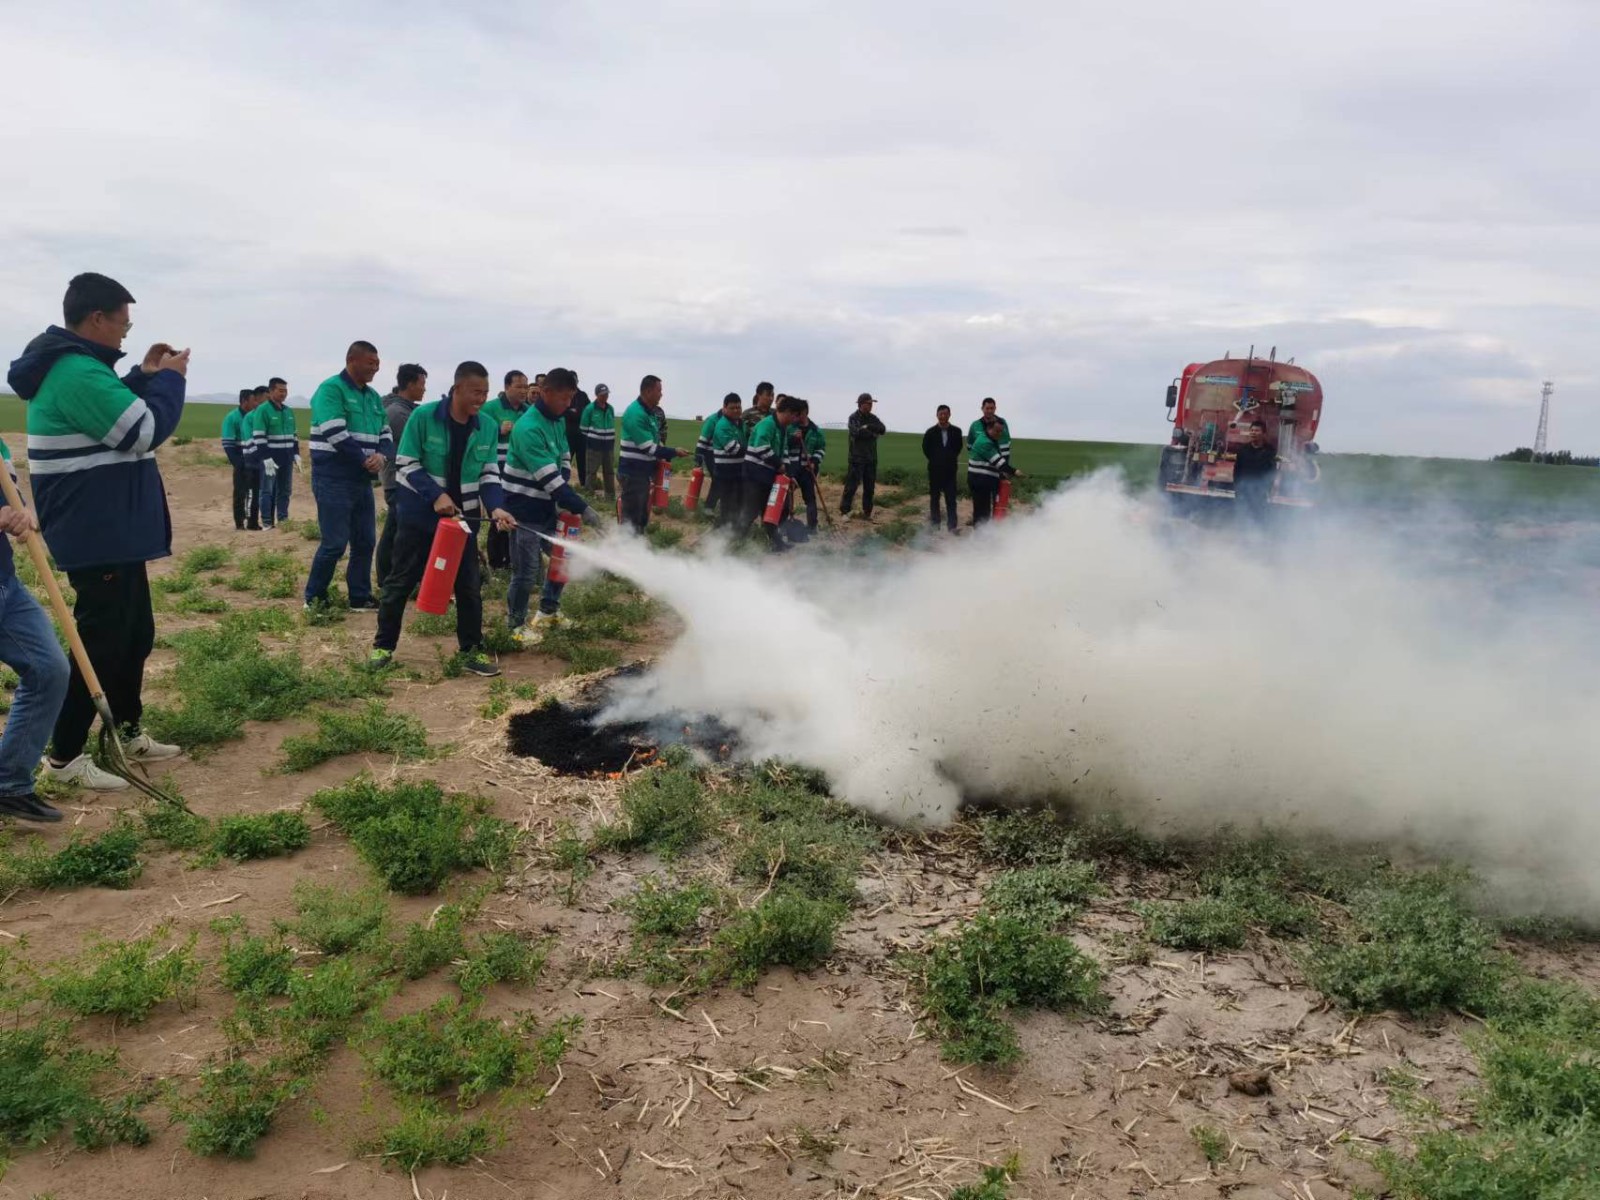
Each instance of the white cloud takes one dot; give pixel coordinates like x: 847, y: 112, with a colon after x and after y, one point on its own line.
x: 1056, y: 204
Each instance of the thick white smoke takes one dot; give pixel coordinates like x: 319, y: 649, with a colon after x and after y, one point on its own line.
x: 1326, y: 682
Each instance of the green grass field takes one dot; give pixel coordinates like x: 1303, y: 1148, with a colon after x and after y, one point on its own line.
x: 1357, y: 480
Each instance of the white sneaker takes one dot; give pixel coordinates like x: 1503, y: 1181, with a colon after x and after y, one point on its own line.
x: 143, y: 748
x: 553, y: 620
x: 82, y: 770
x: 528, y: 635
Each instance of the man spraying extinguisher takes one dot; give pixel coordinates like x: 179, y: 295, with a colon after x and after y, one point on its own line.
x: 643, y: 447
x: 763, y: 461
x: 538, y: 487
x: 447, y: 466
x: 987, y: 465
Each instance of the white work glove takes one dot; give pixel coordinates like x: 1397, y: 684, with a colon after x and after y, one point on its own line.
x: 297, y: 463
x: 269, y: 469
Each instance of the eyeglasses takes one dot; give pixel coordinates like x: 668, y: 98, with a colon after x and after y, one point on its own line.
x: 125, y: 326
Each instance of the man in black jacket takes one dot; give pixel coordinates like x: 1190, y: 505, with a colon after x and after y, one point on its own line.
x: 1253, y: 466
x: 862, y: 469
x: 941, y: 446
x: 577, y: 444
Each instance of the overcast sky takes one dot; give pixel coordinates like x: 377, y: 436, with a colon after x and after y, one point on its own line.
x: 1056, y: 203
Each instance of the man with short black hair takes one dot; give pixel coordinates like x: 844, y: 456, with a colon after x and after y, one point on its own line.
x: 350, y: 442
x: 808, y: 446
x: 987, y: 465
x: 726, y: 440
x: 763, y: 463
x: 446, y: 466
x: 410, y: 389
x: 92, y: 440
x: 599, y: 426
x: 862, y: 468
x: 1254, y: 465
x: 577, y: 443
x: 760, y: 405
x: 987, y: 410
x: 275, y: 447
x: 642, y: 449
x: 246, y: 475
x: 504, y: 410
x: 538, y: 485
x: 941, y: 446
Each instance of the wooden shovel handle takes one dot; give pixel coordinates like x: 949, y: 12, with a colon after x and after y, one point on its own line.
x: 41, y: 563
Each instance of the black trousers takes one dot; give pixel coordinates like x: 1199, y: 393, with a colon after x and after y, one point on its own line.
x: 114, y: 618
x: 730, y: 495
x: 864, y: 475
x: 983, y: 494
x: 246, y: 496
x: 411, y: 546
x: 636, y: 501
x: 386, y: 538
x: 756, y: 490
x: 942, y: 484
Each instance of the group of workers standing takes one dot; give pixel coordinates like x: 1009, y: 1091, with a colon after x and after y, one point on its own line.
x: 507, y: 461
x: 744, y: 450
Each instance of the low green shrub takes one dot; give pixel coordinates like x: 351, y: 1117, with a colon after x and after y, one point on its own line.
x: 500, y: 957
x: 1208, y: 923
x: 234, y: 1105
x: 449, y: 1049
x: 207, y: 558
x: 426, y: 1135
x: 785, y: 928
x: 109, y: 860
x: 372, y: 729
x: 1047, y: 895
x: 256, y: 968
x: 48, y: 1081
x: 663, y: 810
x: 224, y: 677
x: 261, y: 835
x: 414, y: 835
x: 996, y: 962
x: 125, y: 979
x: 336, y: 921
x: 1413, y: 945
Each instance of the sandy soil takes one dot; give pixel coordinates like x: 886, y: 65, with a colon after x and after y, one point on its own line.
x: 657, y: 1104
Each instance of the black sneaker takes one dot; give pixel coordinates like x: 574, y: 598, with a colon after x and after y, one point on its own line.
x: 479, y: 663
x: 28, y: 808
x: 367, y: 605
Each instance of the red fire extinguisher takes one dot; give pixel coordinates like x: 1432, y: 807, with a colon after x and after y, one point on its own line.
x: 568, y: 525
x: 1002, y: 501
x: 661, y: 492
x: 697, y: 479
x: 777, y: 499
x: 444, y: 560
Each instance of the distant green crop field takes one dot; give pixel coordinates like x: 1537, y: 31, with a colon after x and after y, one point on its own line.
x: 1485, y: 489
x: 199, y: 420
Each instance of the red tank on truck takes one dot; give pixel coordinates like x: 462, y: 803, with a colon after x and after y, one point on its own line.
x: 1212, y: 407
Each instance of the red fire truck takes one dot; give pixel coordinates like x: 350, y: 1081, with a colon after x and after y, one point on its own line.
x: 1212, y: 407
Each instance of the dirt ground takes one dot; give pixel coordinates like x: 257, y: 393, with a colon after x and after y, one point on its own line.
x: 711, y: 1101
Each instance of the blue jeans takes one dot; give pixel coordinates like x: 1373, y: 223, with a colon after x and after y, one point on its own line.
x: 275, y: 490
x: 347, y: 517
x: 528, y: 552
x: 28, y: 646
